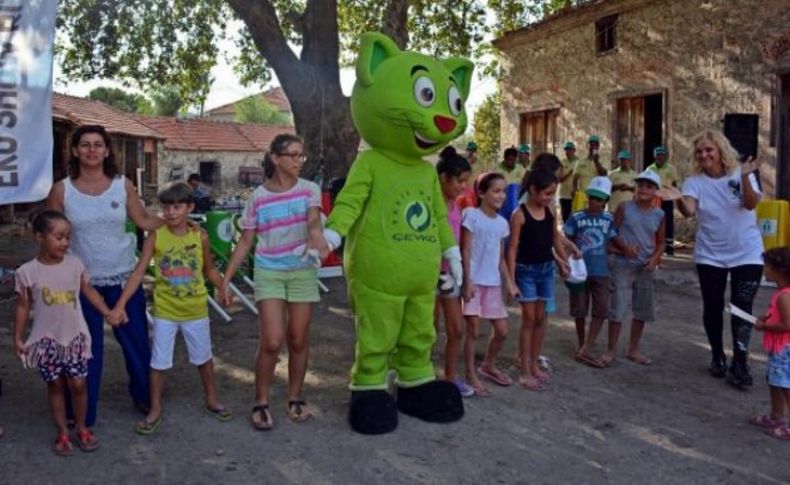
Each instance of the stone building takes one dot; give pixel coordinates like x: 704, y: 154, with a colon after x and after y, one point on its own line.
x: 646, y: 72
x: 227, y: 155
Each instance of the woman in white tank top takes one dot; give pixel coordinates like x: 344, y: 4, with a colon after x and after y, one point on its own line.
x: 98, y: 200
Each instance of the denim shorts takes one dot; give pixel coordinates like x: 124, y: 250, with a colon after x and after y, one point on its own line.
x: 535, y: 281
x: 778, y: 368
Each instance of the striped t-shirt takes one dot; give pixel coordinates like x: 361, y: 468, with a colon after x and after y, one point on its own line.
x: 280, y: 222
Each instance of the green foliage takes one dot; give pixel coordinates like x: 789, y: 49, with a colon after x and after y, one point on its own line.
x: 486, y: 130
x: 166, y: 101
x: 118, y: 98
x: 255, y: 109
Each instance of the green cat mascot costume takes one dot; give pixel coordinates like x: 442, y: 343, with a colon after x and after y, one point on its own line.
x: 393, y: 215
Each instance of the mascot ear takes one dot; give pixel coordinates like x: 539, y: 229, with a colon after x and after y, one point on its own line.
x: 461, y: 69
x: 374, y: 49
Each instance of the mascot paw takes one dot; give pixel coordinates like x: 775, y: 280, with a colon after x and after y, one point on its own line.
x: 436, y: 402
x: 372, y: 412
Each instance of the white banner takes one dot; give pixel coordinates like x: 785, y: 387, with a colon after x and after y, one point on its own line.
x: 27, y: 36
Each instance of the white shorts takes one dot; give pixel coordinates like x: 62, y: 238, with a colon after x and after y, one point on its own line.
x: 197, y: 336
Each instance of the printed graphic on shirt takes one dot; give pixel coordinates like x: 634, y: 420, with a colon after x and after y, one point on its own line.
x: 178, y: 267
x: 407, y: 217
x: 50, y: 297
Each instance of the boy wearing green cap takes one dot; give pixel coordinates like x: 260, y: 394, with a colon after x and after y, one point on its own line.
x: 566, y: 180
x: 586, y: 169
x: 509, y: 168
x: 523, y: 155
x: 669, y: 178
x: 622, y: 181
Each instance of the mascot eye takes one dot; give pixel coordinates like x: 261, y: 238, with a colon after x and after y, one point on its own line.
x: 424, y: 91
x: 456, y: 103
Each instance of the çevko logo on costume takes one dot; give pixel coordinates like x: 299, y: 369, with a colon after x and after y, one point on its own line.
x: 417, y: 216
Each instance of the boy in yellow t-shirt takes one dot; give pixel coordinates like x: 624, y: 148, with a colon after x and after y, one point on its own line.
x: 566, y: 180
x: 622, y: 178
x: 183, y: 262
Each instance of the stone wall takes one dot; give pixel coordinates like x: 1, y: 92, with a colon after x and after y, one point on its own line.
x: 708, y: 58
x: 177, y: 165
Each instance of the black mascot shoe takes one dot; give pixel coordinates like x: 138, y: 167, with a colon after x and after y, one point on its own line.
x: 372, y: 412
x: 435, y: 401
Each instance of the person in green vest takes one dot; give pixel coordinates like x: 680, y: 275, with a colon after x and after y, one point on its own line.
x: 566, y: 180
x: 585, y: 169
x: 523, y: 155
x: 669, y: 178
x: 509, y: 168
x: 622, y: 178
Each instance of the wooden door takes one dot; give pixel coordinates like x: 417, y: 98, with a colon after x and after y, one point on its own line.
x: 631, y: 130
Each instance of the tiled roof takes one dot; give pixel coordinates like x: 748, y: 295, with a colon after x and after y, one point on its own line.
x: 203, y: 135
x: 275, y: 96
x: 83, y: 111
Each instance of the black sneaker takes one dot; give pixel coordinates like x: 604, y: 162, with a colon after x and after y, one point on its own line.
x: 718, y: 368
x: 739, y: 376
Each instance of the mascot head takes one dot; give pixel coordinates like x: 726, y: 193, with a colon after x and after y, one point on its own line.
x: 406, y: 102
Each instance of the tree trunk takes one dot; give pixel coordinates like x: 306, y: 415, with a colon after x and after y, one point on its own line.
x: 321, y: 112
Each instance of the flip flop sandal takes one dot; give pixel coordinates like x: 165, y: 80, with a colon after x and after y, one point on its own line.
x: 496, y: 376
x: 220, y: 414
x: 641, y: 360
x: 297, y: 413
x: 781, y: 432
x: 589, y: 360
x: 530, y: 384
x: 481, y: 391
x: 265, y: 424
x: 63, y: 446
x: 86, y: 441
x: 146, y: 427
x: 765, y: 421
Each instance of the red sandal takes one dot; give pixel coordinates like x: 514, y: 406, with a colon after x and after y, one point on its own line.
x: 63, y: 445
x: 86, y: 441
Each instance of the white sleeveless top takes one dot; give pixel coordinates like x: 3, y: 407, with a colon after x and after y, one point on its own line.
x: 98, y: 234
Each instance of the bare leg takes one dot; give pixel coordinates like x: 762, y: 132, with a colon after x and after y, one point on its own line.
x: 589, y: 344
x: 453, y: 320
x: 778, y: 404
x: 298, y: 338
x: 538, y: 337
x: 57, y: 404
x: 272, y: 335
x: 614, y: 336
x: 528, y: 323
x: 157, y: 383
x: 580, y: 323
x: 637, y: 327
x: 206, y: 371
x: 79, y: 401
x: 495, y: 342
x: 472, y: 330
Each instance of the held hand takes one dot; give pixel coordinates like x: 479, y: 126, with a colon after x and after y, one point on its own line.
x: 565, y: 270
x: 513, y: 292
x: 225, y: 296
x: 453, y: 258
x: 116, y: 317
x: 651, y: 265
x: 750, y: 165
x: 759, y: 325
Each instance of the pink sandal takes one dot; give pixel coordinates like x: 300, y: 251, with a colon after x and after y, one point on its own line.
x: 765, y: 421
x: 781, y: 432
x: 496, y: 376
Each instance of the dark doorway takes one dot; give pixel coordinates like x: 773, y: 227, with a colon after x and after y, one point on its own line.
x: 783, y: 132
x: 639, y: 128
x: 209, y: 173
x: 741, y: 129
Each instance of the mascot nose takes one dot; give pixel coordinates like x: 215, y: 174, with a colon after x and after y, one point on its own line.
x: 444, y: 124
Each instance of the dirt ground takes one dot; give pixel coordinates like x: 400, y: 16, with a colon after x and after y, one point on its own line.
x: 669, y: 423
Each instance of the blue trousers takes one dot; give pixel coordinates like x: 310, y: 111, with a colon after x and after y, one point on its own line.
x: 133, y: 339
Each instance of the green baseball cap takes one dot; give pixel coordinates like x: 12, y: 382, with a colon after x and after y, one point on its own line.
x: 471, y: 146
x: 659, y: 150
x: 594, y: 139
x: 523, y: 148
x: 624, y: 154
x: 569, y: 146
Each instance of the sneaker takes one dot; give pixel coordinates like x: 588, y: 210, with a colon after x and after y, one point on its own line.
x: 718, y: 368
x: 738, y: 375
x: 464, y: 388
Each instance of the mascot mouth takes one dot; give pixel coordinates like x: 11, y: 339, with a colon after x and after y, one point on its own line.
x: 423, y: 142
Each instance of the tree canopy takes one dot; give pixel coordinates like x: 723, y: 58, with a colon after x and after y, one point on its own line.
x: 155, y: 43
x: 255, y: 109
